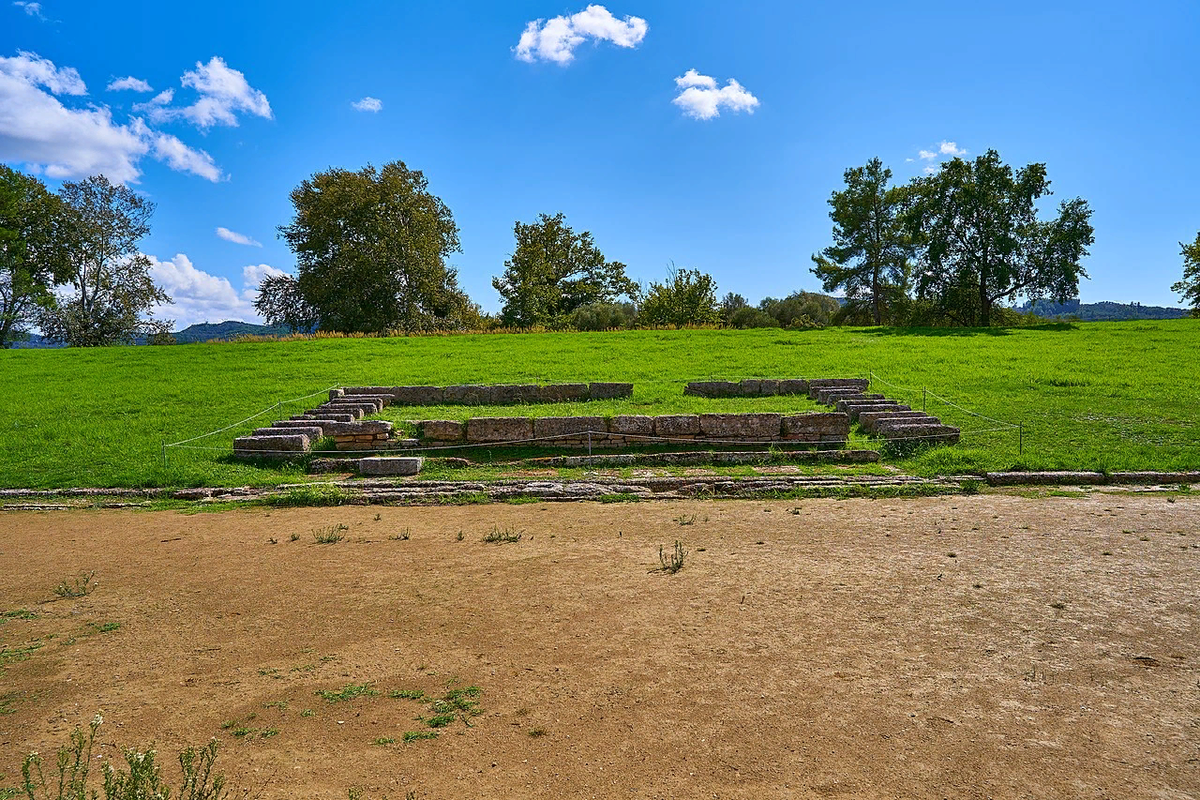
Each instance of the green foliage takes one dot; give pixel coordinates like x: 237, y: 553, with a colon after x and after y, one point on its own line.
x: 1189, y: 287
x: 801, y: 310
x: 603, y: 317
x: 111, y: 287
x: 416, y: 736
x: 33, y: 252
x: 68, y: 781
x: 981, y: 240
x: 371, y: 249
x: 688, y: 297
x: 348, y: 692
x: 553, y: 271
x: 750, y: 317
x: 78, y: 586
x: 498, y: 536
x: 671, y: 562
x: 330, y: 534
x: 872, y: 247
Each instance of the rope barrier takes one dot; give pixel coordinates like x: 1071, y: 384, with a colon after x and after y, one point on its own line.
x: 872, y: 376
x: 247, y: 419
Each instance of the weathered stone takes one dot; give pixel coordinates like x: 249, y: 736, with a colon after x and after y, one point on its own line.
x: 322, y: 412
x: 312, y: 432
x: 566, y: 426
x: 419, y: 395
x: 677, y: 425
x: 829, y: 396
x: 466, y: 395
x: 512, y: 394
x: 749, y: 388
x: 390, y: 465
x: 367, y: 404
x: 934, y: 434
x: 846, y: 383
x: 883, y: 426
x: 352, y: 391
x: 711, y: 389
x: 271, y: 445
x: 442, y: 430
x: 359, y: 428
x: 856, y: 407
x: 563, y: 393
x: 768, y: 388
x: 631, y: 425
x: 1045, y: 478
x: 499, y: 429
x: 381, y: 400
x: 745, y: 427
x: 830, y: 423
x: 329, y: 416
x: 336, y: 393
x: 283, y: 426
x: 867, y: 420
x: 792, y: 386
x: 609, y: 391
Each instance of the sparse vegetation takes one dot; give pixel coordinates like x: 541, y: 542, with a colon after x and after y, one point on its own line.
x: 348, y: 692
x: 416, y: 736
x: 330, y: 534
x: 498, y: 536
x: 79, y: 586
x: 671, y: 562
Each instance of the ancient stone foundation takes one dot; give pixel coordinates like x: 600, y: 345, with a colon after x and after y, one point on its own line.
x: 485, y: 395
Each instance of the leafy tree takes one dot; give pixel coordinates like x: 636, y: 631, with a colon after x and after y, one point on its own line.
x: 751, y: 317
x: 33, y: 252
x: 982, y: 241
x: 688, y: 297
x: 280, y: 302
x: 801, y: 309
x: 1189, y: 287
x: 870, y: 256
x: 371, y: 249
x: 603, y: 317
x: 554, y: 271
x: 732, y: 303
x: 110, y: 290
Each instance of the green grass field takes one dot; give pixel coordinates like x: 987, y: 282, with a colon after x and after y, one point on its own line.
x: 1109, y: 396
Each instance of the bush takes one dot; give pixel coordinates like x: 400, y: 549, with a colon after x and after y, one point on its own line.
x: 750, y: 317
x: 603, y: 317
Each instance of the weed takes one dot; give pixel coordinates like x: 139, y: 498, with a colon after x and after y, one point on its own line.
x: 620, y: 497
x: 416, y: 736
x: 378, y: 517
x: 268, y: 733
x: 9, y: 655
x: 1058, y: 606
x: 498, y: 536
x: 77, y: 587
x: 242, y: 731
x: 406, y: 694
x: 460, y: 537
x: 348, y: 692
x: 537, y: 733
x: 686, y: 519
x: 20, y: 613
x: 105, y: 627
x: 272, y: 540
x: 438, y: 720
x: 402, y: 536
x: 330, y: 534
x: 308, y: 712
x: 280, y: 704
x: 295, y: 537
x: 971, y: 486
x: 951, y: 555
x: 384, y: 740
x: 309, y: 496
x: 671, y: 562
x: 227, y: 724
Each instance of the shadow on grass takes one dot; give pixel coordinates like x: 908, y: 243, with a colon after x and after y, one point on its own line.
x: 997, y: 331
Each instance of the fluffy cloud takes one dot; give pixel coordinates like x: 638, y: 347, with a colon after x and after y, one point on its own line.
x: 36, y: 128
x: 32, y: 9
x: 223, y: 93
x: 128, y: 84
x: 700, y: 97
x: 372, y: 104
x: 944, y: 148
x: 556, y: 39
x: 198, y: 296
x: 236, y: 238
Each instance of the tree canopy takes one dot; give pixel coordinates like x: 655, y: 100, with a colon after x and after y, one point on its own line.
x: 110, y: 289
x: 981, y: 240
x: 33, y: 252
x: 371, y: 249
x: 553, y: 271
x: 1189, y: 287
x: 687, y: 297
x: 869, y: 259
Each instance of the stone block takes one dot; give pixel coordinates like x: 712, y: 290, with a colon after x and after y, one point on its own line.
x: 829, y: 396
x: 867, y: 420
x: 882, y: 426
x: 390, y: 465
x: 336, y: 393
x: 796, y: 426
x: 351, y: 391
x: 321, y: 411
x: 609, y: 391
x: 934, y: 434
x: 367, y: 404
x: 465, y: 395
x: 745, y: 427
x: 418, y: 395
x: 749, y: 388
x: 768, y: 388
x: 676, y: 425
x: 271, y: 446
x: 499, y: 429
x: 711, y: 389
x: 828, y: 383
x: 362, y: 427
x: 312, y: 432
x: 511, y: 394
x: 441, y: 430
x: 793, y: 386
x: 631, y: 425
x: 567, y: 426
x: 855, y: 407
x: 326, y: 416
x: 563, y: 393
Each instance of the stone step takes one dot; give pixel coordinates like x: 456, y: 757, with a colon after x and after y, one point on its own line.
x: 868, y: 420
x: 390, y: 465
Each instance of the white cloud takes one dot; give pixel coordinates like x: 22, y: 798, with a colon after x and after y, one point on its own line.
x: 236, y: 238
x: 198, y: 296
x: 36, y: 128
x: 944, y: 148
x: 951, y: 149
x: 223, y: 93
x: 926, y: 154
x: 372, y: 104
x: 701, y: 99
x: 129, y: 84
x: 556, y: 39
x: 32, y: 9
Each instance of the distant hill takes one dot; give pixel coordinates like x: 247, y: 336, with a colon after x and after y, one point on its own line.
x: 1098, y: 312
x: 200, y: 332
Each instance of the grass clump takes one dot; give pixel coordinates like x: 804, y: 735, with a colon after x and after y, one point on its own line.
x: 348, y: 692
x: 417, y: 736
x: 79, y: 586
x: 497, y: 536
x: 19, y: 613
x: 330, y: 534
x: 671, y: 562
x: 406, y: 694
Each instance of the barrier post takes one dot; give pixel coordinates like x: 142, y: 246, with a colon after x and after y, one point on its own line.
x: 1020, y: 438
x: 923, y: 391
x: 164, y: 452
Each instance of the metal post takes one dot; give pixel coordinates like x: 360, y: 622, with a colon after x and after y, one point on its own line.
x: 164, y: 452
x: 922, y: 398
x: 1020, y: 438
x: 589, y: 444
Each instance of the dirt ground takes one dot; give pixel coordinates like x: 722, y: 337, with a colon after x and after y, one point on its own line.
x: 962, y: 647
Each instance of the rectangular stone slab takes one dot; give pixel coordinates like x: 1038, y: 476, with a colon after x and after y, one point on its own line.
x: 419, y: 395
x: 609, y: 391
x: 441, y: 430
x: 312, y: 432
x: 270, y: 445
x: 390, y: 465
x: 563, y: 393
x: 867, y: 420
x: 360, y: 428
x: 793, y: 386
x: 331, y: 416
x: 355, y: 413
x: 744, y: 427
x: 941, y: 434
x: 829, y: 423
x: 828, y: 383
x: 499, y: 429
x: 677, y: 425
x: 711, y: 389
x: 564, y: 426
x: 631, y: 424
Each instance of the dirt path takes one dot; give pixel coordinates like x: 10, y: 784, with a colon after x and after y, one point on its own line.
x: 987, y: 646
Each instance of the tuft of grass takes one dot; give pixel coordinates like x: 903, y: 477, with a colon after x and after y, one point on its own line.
x: 330, y: 534
x: 295, y: 537
x: 971, y: 486
x: 308, y: 712
x: 105, y: 627
x: 686, y: 519
x: 79, y: 586
x: 620, y: 497
x: 19, y: 613
x: 305, y: 496
x: 406, y: 694
x: 497, y: 536
x: 460, y: 536
x: 416, y: 736
x: 383, y: 740
x: 348, y: 692
x: 537, y: 733
x: 672, y: 562
x: 267, y: 733
x: 402, y: 536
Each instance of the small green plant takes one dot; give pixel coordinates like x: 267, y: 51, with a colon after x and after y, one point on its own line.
x: 672, y: 562
x: 280, y: 704
x: 686, y: 519
x: 80, y: 586
x: 348, y: 692
x: 268, y: 733
x: 73, y: 762
x: 537, y: 733
x: 383, y: 740
x: 971, y: 486
x: 460, y: 536
x: 497, y: 536
x: 416, y: 736
x: 242, y: 731
x: 439, y: 720
x: 330, y: 534
x: 295, y: 537
x: 308, y: 712
x: 20, y: 613
x: 406, y: 694
x: 105, y: 627
x: 402, y: 536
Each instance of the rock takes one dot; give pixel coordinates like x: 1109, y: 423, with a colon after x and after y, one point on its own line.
x: 749, y: 388
x: 390, y: 465
x: 567, y: 426
x: 745, y: 427
x: 867, y: 420
x: 336, y: 393
x: 918, y: 432
x: 609, y: 391
x: 312, y: 432
x: 360, y: 428
x: 768, y: 388
x: 419, y: 395
x: 793, y: 386
x: 711, y: 389
x: 563, y: 393
x: 270, y: 446
x: 441, y: 430
x: 322, y: 411
x: 810, y: 427
x: 499, y: 429
x: 631, y: 425
x: 328, y: 416
x: 677, y: 425
x: 844, y: 383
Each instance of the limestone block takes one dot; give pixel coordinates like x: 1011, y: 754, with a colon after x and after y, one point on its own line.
x: 934, y: 434
x: 565, y: 426
x: 563, y: 393
x: 362, y: 427
x: 749, y: 388
x: 499, y: 429
x: 326, y: 416
x: 882, y: 426
x: 829, y: 396
x: 465, y: 395
x: 746, y: 427
x: 768, y: 388
x: 312, y: 432
x: 846, y: 383
x: 321, y: 411
x: 793, y: 386
x: 418, y: 395
x: 676, y: 425
x: 271, y: 445
x: 336, y: 393
x: 511, y: 394
x: 442, y: 430
x: 631, y: 424
x: 867, y: 420
x: 368, y: 405
x: 711, y: 389
x: 609, y: 391
x: 351, y: 391
x: 821, y: 423
x: 390, y: 465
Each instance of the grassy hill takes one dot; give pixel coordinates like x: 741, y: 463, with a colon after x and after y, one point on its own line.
x: 1094, y: 396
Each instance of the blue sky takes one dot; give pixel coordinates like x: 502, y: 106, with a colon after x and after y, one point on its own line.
x: 587, y: 115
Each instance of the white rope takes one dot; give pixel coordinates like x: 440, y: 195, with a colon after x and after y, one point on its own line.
x: 247, y: 419
x: 925, y: 392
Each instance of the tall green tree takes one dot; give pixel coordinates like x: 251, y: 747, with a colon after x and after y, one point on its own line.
x: 554, y: 271
x: 982, y: 241
x: 371, y: 249
x: 109, y: 291
x: 1189, y: 287
x: 33, y: 252
x: 687, y: 297
x: 871, y: 251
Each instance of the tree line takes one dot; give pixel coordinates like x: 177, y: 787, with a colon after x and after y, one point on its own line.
x: 957, y: 247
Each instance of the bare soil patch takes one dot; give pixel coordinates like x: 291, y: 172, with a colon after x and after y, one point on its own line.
x: 988, y: 646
